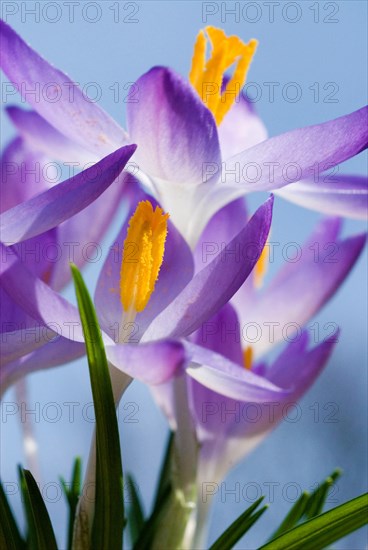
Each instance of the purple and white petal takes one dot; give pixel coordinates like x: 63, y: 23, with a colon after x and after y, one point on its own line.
x: 220, y: 230
x: 281, y: 161
x: 345, y: 195
x: 214, y: 285
x: 54, y: 353
x: 153, y: 363
x: 20, y: 333
x: 300, y: 289
x: 37, y: 299
x: 221, y: 334
x: 241, y: 128
x: 244, y: 425
x: 176, y: 133
x: 66, y: 107
x: 45, y: 138
x: 22, y: 175
x: 80, y: 236
x: 297, y: 154
x: 296, y: 368
x: 229, y: 379
x: 40, y: 254
x: 50, y: 208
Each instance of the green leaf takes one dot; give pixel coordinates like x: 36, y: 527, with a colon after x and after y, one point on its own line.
x: 10, y: 537
x: 239, y: 527
x: 136, y: 513
x: 319, y: 532
x: 107, y: 531
x: 165, y: 473
x: 318, y: 497
x: 149, y: 529
x: 72, y: 495
x: 163, y: 494
x: 295, y: 514
x: 308, y: 505
x: 40, y: 532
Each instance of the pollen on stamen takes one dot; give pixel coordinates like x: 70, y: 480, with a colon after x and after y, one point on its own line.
x: 248, y: 357
x: 260, y: 269
x: 207, y: 76
x: 143, y: 254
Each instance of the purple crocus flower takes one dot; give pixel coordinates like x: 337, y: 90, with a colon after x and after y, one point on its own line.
x: 225, y: 430
x: 41, y: 329
x: 183, y: 130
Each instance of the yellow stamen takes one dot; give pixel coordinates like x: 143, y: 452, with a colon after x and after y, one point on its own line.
x: 199, y: 58
x: 206, y: 76
x: 248, y: 357
x: 143, y: 254
x: 261, y: 267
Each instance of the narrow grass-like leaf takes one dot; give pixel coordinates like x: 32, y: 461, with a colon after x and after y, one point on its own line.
x: 149, y: 529
x: 165, y: 473
x: 72, y: 495
x: 319, y: 532
x: 295, y: 514
x: 308, y: 505
x: 239, y: 527
x: 318, y: 497
x: 40, y: 532
x: 10, y: 537
x: 163, y: 493
x: 107, y: 532
x: 136, y: 512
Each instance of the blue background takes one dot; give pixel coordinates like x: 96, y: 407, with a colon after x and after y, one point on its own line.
x: 308, y: 51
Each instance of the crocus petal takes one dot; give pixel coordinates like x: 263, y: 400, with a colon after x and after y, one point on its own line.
x: 296, y: 368
x: 221, y: 335
x: 55, y: 353
x: 152, y: 363
x: 248, y: 423
x: 222, y: 227
x: 46, y: 139
x: 280, y: 161
x: 176, y: 133
x: 37, y: 254
x: 20, y: 332
x: 175, y: 273
x: 219, y: 231
x: 37, y: 299
x: 303, y: 287
x: 67, y: 108
x: 214, y: 285
x: 344, y: 195
x: 21, y: 174
x: 59, y: 203
x: 241, y: 128
x: 223, y: 376
x: 84, y: 232
x: 298, y: 154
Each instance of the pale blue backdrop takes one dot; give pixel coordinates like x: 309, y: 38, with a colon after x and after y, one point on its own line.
x: 308, y: 43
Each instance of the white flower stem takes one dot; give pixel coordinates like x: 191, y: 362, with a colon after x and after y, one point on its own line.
x: 173, y: 532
